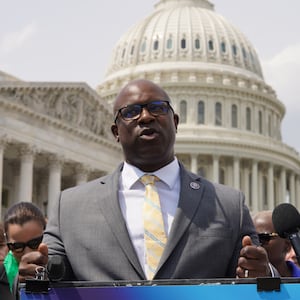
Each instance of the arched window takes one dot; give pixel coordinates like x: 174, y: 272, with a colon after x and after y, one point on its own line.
x: 218, y: 114
x: 211, y: 45
x: 260, y: 129
x: 197, y: 43
x: 234, y: 116
x: 183, y: 111
x: 132, y: 50
x: 248, y: 118
x: 169, y: 43
x: 183, y: 43
x: 234, y: 50
x: 123, y: 52
x: 155, y: 45
x: 223, y: 47
x: 201, y: 112
x: 244, y: 53
x: 270, y: 125
x: 143, y: 47
x: 252, y: 58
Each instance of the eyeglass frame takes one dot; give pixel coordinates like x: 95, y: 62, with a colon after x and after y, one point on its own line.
x: 266, y: 237
x: 141, y: 106
x: 19, y: 247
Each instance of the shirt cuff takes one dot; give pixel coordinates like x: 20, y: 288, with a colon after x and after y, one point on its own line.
x: 271, y: 270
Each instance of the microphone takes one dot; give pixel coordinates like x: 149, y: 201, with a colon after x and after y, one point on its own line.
x: 55, y: 268
x: 286, y: 221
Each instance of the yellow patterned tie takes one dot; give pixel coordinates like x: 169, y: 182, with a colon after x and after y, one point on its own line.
x: 154, y: 233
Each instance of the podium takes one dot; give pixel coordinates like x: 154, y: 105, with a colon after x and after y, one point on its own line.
x: 227, y: 289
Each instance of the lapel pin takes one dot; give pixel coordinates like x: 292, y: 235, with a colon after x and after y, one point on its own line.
x: 195, y: 185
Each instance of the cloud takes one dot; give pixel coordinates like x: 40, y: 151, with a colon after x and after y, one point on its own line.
x: 282, y: 72
x: 15, y: 40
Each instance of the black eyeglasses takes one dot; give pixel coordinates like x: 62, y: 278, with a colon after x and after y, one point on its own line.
x: 19, y: 247
x: 266, y: 237
x: 133, y: 111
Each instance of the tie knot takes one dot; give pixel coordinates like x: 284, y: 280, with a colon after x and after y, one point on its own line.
x: 149, y: 179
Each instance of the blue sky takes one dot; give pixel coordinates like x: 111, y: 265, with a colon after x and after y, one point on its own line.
x: 67, y: 40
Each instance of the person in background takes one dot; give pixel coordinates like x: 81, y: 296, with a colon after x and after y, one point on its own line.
x: 3, y: 246
x: 24, y: 225
x: 276, y: 246
x: 5, y: 292
x: 291, y: 256
x: 98, y: 228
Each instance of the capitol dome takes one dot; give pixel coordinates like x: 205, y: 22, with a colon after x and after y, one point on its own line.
x: 184, y: 33
x: 230, y: 118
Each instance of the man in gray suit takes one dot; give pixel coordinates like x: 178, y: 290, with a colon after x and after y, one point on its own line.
x: 98, y: 227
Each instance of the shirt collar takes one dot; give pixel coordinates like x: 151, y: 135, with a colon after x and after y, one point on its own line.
x: 168, y: 174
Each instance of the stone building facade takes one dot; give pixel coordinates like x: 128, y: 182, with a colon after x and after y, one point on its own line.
x: 53, y: 136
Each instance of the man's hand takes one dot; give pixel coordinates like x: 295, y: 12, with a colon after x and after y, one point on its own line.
x: 253, y: 261
x: 30, y: 261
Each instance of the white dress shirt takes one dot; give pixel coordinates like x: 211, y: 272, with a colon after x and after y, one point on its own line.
x: 131, y: 197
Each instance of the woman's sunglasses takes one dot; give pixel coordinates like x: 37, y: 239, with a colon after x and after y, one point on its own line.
x: 266, y: 237
x: 18, y: 247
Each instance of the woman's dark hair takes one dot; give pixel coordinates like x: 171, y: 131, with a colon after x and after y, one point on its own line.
x: 23, y: 212
x: 2, y: 238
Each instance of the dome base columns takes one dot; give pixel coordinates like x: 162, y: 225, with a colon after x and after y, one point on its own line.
x: 271, y: 196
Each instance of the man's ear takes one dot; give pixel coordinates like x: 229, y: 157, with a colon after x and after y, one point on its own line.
x: 176, y: 120
x: 115, y: 132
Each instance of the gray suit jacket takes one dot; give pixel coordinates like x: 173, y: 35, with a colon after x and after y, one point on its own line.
x: 88, y: 229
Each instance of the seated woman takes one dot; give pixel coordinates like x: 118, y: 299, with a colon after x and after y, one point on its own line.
x: 24, y: 224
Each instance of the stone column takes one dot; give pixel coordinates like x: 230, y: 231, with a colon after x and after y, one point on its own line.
x: 271, y: 200
x: 194, y: 163
x: 297, y: 191
x: 282, y: 194
x: 236, y: 173
x: 26, y: 173
x: 215, y: 168
x: 81, y: 174
x: 292, y: 188
x: 254, y: 188
x: 247, y: 187
x: 260, y: 189
x: 54, y: 184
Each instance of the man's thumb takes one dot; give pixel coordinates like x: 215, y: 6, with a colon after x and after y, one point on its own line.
x: 246, y: 241
x: 43, y: 248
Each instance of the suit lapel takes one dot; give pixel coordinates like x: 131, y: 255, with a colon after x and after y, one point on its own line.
x: 191, y: 195
x: 109, y: 204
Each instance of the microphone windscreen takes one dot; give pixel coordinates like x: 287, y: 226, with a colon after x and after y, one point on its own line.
x: 55, y: 268
x: 286, y: 219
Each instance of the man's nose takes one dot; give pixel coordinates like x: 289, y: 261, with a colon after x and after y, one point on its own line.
x: 145, y: 114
